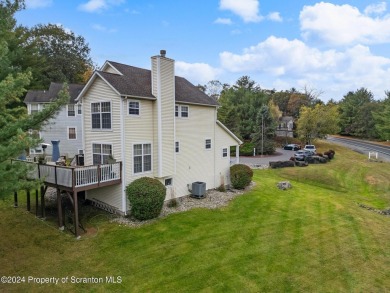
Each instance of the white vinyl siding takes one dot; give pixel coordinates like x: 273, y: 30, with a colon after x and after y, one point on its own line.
x: 194, y: 163
x: 93, y: 95
x: 111, y: 195
x: 137, y: 131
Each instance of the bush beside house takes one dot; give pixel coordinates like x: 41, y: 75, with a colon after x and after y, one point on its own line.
x: 240, y: 176
x: 146, y: 196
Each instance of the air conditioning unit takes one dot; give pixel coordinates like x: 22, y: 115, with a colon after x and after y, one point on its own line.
x: 198, y: 189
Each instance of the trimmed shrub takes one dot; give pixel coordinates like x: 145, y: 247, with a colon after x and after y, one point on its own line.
x: 330, y: 154
x: 240, y: 176
x: 146, y: 196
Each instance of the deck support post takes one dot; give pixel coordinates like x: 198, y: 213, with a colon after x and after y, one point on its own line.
x: 76, y: 215
x: 28, y: 200
x: 36, y: 202
x: 43, y: 212
x: 59, y: 208
x: 15, y: 199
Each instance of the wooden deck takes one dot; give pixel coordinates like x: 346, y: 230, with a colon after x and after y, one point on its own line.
x: 70, y: 180
x: 79, y: 178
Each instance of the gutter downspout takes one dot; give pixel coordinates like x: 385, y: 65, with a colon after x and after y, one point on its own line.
x: 215, y: 145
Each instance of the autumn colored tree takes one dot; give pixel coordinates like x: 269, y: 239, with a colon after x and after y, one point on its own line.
x: 317, y: 122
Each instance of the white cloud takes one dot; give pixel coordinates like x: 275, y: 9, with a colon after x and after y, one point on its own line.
x: 275, y: 16
x: 343, y: 25
x: 279, y: 56
x: 223, y: 21
x: 38, y: 3
x: 197, y: 73
x: 99, y: 5
x: 103, y: 29
x: 248, y: 10
x: 378, y: 8
x: 278, y: 61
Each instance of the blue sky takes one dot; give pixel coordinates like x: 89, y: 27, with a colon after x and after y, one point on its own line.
x: 332, y: 47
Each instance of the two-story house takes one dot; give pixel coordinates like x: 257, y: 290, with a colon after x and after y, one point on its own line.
x: 158, y: 125
x: 65, y: 127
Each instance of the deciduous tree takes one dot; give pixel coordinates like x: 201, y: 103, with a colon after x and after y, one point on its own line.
x: 317, y: 122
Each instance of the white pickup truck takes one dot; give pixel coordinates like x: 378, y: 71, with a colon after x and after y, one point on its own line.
x: 311, y: 148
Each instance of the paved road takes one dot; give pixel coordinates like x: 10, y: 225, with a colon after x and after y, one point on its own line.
x: 280, y: 155
x: 364, y: 147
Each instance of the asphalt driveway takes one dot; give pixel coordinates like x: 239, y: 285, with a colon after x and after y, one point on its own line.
x: 280, y: 155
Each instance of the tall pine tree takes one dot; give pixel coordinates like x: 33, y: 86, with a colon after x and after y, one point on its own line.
x: 14, y: 121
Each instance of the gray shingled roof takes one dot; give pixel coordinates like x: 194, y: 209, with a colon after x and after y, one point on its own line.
x: 34, y: 96
x: 137, y: 82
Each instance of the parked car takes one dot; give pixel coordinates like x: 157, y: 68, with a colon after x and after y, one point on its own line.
x: 311, y: 148
x: 292, y: 147
x: 302, y: 155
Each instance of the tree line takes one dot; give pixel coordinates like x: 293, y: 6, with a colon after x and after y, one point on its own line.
x: 253, y: 113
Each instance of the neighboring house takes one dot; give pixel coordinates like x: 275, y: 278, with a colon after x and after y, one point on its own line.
x: 158, y: 124
x: 285, y: 127
x: 65, y: 127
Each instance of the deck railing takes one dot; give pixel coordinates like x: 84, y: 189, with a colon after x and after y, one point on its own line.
x: 76, y: 177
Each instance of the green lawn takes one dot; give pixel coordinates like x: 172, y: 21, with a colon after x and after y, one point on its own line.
x: 312, y: 238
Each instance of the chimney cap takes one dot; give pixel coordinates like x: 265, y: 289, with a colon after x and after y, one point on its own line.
x: 163, y: 53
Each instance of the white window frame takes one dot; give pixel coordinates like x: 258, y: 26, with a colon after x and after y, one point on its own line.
x: 35, y: 110
x: 206, y: 144
x: 177, y: 147
x: 188, y: 111
x: 179, y: 111
x: 75, y: 132
x: 139, y: 108
x: 74, y: 110
x: 102, y: 155
x: 79, y: 109
x: 101, y: 120
x: 223, y: 152
x: 143, y: 158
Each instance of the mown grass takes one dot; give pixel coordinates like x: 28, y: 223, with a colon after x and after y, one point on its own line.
x: 312, y: 238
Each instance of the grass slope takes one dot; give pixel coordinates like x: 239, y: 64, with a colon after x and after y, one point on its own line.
x: 312, y: 238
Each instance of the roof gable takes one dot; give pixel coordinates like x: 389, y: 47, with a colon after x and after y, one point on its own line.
x: 137, y: 82
x: 41, y: 96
